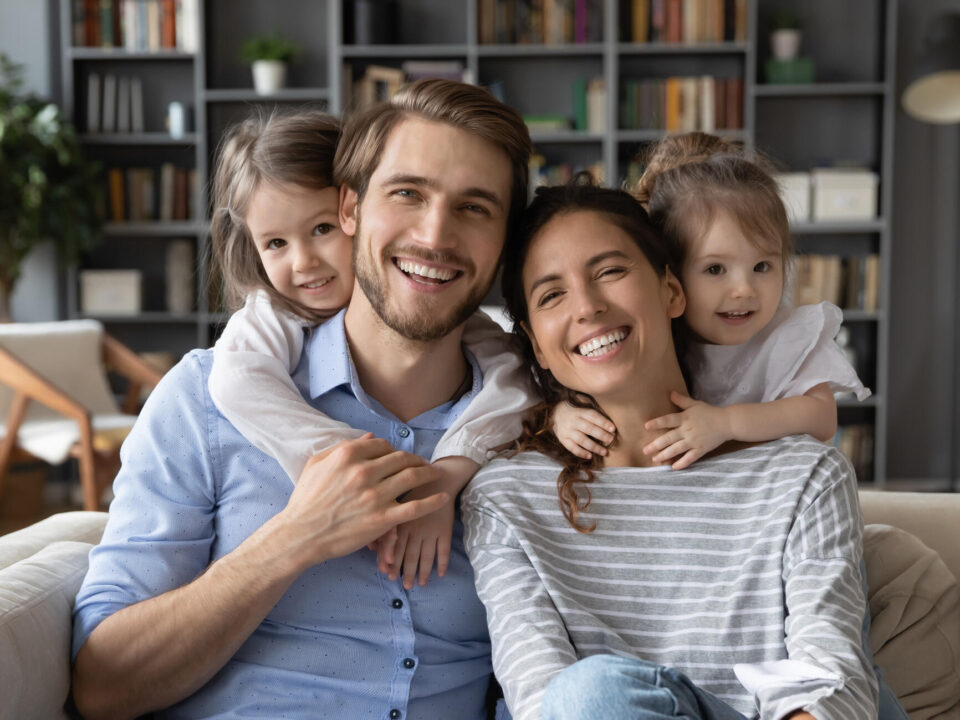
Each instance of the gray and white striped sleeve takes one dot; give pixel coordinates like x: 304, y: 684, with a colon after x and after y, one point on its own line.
x: 530, y: 641
x: 825, y: 604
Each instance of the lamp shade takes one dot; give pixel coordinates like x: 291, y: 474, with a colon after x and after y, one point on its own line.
x: 933, y: 94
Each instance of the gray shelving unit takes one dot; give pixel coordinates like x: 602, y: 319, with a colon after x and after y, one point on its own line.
x: 847, y: 114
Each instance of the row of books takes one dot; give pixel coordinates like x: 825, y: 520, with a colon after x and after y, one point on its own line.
x: 379, y: 82
x: 682, y: 104
x: 542, y: 174
x: 856, y: 442
x: 140, y: 194
x: 849, y: 282
x: 136, y: 25
x: 684, y: 21
x: 114, y: 104
x: 539, y: 22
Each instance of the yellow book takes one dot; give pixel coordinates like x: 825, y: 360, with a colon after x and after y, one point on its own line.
x: 640, y: 21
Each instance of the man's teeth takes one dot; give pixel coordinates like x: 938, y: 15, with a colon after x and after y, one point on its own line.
x: 601, y: 344
x: 427, y: 272
x: 317, y: 284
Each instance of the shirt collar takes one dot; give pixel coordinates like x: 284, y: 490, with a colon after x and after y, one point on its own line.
x: 331, y: 367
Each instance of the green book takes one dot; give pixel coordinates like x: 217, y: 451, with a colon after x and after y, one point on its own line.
x: 580, y: 104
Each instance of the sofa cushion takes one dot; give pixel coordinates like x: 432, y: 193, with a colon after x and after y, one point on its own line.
x: 79, y: 526
x: 915, y: 622
x: 36, y: 608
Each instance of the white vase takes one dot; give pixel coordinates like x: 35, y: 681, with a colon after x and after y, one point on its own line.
x: 785, y: 44
x: 269, y: 76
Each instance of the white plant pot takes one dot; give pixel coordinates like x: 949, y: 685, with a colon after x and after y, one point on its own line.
x: 269, y: 76
x: 785, y: 44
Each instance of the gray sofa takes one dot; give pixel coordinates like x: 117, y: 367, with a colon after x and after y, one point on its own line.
x: 912, y: 548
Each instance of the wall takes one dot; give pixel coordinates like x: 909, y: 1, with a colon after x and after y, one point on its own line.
x: 28, y: 36
x: 926, y: 230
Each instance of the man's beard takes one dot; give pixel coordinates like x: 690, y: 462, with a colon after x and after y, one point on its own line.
x: 421, y: 324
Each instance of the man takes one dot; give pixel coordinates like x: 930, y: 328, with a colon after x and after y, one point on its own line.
x: 220, y: 590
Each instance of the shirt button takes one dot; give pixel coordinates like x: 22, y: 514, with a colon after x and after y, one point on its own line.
x: 404, y: 432
x: 408, y: 663
x: 397, y: 603
x: 394, y: 714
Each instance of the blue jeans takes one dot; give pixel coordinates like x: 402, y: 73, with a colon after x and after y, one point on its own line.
x: 607, y: 686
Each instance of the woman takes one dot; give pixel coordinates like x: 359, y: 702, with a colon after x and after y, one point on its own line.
x: 720, y: 591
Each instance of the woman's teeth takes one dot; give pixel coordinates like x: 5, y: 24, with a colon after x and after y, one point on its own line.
x: 423, y: 271
x: 601, y: 344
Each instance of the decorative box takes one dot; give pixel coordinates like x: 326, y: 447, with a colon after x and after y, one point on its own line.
x: 795, y: 193
x: 844, y: 194
x: 111, y: 292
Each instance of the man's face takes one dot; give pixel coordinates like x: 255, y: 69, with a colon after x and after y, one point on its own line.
x: 434, y: 220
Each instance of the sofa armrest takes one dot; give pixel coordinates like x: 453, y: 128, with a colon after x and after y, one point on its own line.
x: 79, y: 526
x: 934, y: 518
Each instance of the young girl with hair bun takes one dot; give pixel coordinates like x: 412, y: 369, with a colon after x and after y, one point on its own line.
x: 760, y: 369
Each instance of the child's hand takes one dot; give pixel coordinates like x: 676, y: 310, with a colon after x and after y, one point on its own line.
x: 582, y: 431
x: 692, y: 433
x: 414, y: 545
x: 417, y: 543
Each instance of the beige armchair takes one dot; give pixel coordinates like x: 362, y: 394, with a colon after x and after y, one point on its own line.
x: 56, y: 400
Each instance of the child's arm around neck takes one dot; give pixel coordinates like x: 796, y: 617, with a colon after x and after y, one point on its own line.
x: 251, y: 386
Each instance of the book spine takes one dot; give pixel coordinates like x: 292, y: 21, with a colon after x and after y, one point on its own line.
x: 78, y: 28
x: 168, y: 24
x: 580, y: 33
x: 106, y: 23
x: 115, y: 180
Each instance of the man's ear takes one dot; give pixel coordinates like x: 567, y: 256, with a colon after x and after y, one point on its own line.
x: 348, y: 210
x: 676, y: 300
x: 541, y: 360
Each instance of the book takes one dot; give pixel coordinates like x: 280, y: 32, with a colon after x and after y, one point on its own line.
x: 180, y: 194
x: 597, y: 106
x: 153, y: 25
x: 108, y: 121
x: 707, y: 104
x: 123, y: 104
x: 106, y: 23
x: 78, y: 26
x: 167, y: 188
x: 580, y: 104
x: 136, y: 105
x: 93, y: 102
x: 672, y: 107
x: 688, y: 104
x: 91, y: 22
x: 128, y: 24
x: 640, y: 21
x: 871, y: 282
x: 143, y: 41
x: 115, y: 183
x: 168, y: 24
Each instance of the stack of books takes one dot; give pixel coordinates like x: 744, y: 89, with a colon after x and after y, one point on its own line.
x: 682, y: 104
x: 539, y: 22
x: 136, y: 25
x: 683, y: 21
x: 379, y: 82
x: 852, y: 282
x: 139, y: 194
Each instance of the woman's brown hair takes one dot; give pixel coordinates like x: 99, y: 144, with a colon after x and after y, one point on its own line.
x: 689, y: 178
x: 296, y: 148
x: 623, y: 211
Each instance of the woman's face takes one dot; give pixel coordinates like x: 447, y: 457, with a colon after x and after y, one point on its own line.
x: 598, y: 312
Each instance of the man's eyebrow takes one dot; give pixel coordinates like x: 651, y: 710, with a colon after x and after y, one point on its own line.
x: 595, y: 260
x: 419, y: 180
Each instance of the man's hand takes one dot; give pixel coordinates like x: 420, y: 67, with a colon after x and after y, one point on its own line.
x: 347, y: 496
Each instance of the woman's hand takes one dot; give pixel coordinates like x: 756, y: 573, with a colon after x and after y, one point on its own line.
x: 582, y: 431
x: 690, y: 434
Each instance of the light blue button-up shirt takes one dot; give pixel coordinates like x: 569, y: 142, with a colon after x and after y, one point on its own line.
x: 344, y: 641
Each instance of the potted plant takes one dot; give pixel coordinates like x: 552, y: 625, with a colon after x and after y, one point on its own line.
x: 269, y: 56
x: 785, y: 38
x: 48, y: 189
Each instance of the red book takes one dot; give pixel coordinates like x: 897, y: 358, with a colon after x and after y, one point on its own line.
x: 91, y: 23
x: 675, y: 21
x: 168, y: 24
x: 580, y: 34
x: 734, y: 104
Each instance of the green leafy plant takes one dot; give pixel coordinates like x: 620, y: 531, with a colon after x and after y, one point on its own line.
x: 786, y: 20
x: 269, y: 47
x: 48, y: 189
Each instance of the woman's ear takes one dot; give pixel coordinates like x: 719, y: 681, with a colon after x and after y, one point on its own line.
x: 676, y: 300
x: 348, y: 210
x: 541, y: 360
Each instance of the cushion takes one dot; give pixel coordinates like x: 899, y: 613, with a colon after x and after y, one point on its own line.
x: 79, y: 526
x: 36, y: 608
x: 915, y: 622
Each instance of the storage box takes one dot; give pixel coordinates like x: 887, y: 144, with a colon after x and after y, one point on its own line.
x: 111, y: 292
x: 795, y: 193
x: 844, y: 194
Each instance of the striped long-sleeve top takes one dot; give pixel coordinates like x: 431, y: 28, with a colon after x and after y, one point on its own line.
x: 749, y: 559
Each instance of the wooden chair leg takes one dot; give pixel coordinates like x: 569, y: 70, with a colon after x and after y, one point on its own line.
x: 18, y: 410
x: 88, y: 468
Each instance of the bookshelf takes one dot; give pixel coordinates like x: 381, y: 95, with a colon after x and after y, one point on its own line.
x: 847, y: 114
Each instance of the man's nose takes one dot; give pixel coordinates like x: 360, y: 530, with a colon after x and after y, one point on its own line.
x: 437, y: 227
